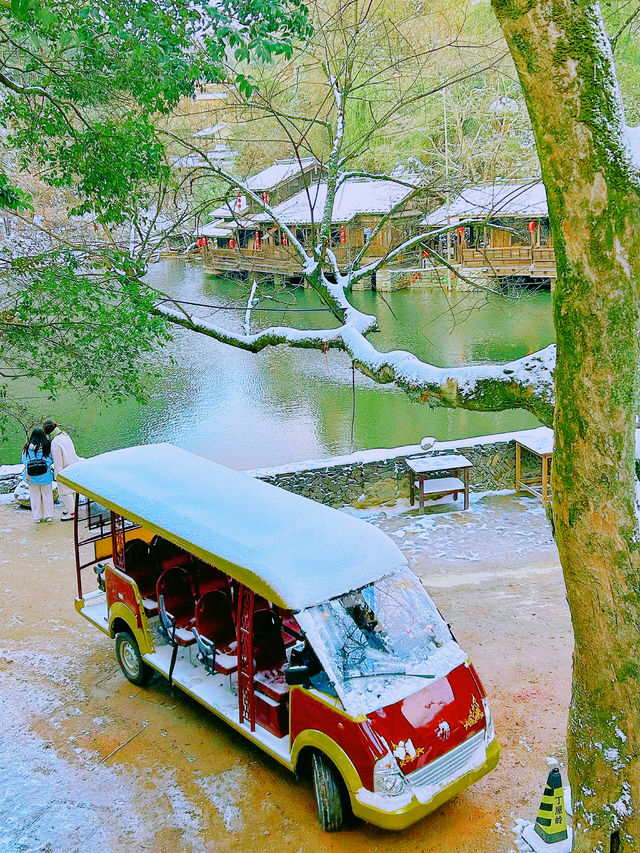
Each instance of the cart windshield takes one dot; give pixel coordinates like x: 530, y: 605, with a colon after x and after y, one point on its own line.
x: 381, y: 642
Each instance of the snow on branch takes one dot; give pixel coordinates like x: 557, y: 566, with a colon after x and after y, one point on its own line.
x: 525, y: 383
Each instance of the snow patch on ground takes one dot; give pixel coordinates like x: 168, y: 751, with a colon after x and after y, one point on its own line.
x: 51, y: 803
x: 222, y: 790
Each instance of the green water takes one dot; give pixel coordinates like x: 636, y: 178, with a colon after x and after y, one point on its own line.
x: 286, y: 405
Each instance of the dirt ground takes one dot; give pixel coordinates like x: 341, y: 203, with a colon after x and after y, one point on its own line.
x: 182, y: 782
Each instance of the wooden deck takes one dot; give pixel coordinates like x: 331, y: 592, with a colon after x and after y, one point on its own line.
x: 536, y: 261
x: 271, y: 259
x: 274, y: 260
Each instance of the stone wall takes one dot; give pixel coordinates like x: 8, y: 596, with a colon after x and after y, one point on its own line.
x: 377, y: 477
x: 380, y: 477
x: 390, y: 279
x: 9, y: 476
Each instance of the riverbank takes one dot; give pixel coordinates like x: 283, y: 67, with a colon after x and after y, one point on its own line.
x: 180, y: 780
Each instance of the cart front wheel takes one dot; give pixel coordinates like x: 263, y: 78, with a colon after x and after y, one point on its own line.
x: 130, y: 660
x: 328, y: 793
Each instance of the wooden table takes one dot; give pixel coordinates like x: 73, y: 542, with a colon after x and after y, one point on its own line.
x: 421, y: 466
x: 540, y: 442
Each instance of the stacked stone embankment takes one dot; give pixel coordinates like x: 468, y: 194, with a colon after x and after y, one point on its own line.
x: 380, y: 477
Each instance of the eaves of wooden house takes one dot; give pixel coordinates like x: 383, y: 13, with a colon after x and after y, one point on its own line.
x: 501, y: 228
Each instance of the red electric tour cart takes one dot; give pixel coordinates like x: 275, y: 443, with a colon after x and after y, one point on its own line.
x: 299, y: 625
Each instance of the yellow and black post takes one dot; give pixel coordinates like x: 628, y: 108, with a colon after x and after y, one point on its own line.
x: 551, y: 823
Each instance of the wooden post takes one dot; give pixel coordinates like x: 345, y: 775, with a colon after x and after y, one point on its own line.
x: 517, y: 467
x: 420, y: 486
x: 545, y: 461
x: 466, y: 488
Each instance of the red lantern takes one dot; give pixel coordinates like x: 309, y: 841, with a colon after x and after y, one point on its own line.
x: 239, y: 200
x: 343, y: 235
x: 257, y: 239
x: 265, y: 197
x: 285, y: 242
x: 204, y: 241
x: 531, y: 227
x: 460, y: 230
x: 232, y: 243
x: 426, y: 253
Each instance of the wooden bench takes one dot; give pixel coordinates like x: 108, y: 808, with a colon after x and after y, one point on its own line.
x: 422, y: 467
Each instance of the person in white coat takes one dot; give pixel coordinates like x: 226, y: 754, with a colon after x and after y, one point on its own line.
x: 64, y: 453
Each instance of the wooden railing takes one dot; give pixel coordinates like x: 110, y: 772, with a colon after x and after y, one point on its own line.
x: 512, y: 260
x: 275, y: 259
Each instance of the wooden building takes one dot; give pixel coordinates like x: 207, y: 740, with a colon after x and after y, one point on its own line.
x: 252, y: 240
x: 501, y: 228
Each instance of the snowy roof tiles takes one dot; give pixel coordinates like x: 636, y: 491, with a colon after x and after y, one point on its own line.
x: 494, y: 200
x: 353, y: 197
x: 214, y: 130
x: 280, y: 171
x: 292, y: 550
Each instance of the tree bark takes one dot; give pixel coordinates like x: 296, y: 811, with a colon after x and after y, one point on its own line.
x: 566, y: 69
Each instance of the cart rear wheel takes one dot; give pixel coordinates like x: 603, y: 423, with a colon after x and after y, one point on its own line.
x: 328, y: 793
x: 130, y: 659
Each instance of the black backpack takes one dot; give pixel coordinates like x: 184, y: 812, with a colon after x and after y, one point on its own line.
x: 36, y: 467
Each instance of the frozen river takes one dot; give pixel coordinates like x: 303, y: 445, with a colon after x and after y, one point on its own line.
x: 283, y: 405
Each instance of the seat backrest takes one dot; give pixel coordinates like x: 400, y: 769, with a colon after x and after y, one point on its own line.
x: 206, y: 578
x: 167, y: 555
x: 268, y: 645
x: 140, y: 566
x: 175, y: 586
x: 214, y: 618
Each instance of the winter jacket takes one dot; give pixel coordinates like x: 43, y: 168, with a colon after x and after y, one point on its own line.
x: 30, y: 454
x: 63, y: 450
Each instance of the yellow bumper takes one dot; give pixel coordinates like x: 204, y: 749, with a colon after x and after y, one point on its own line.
x: 415, y: 810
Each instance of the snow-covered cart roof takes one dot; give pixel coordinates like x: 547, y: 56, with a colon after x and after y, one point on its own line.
x: 292, y: 550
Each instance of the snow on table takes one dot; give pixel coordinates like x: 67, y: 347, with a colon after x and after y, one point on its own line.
x: 539, y: 441
x: 432, y: 464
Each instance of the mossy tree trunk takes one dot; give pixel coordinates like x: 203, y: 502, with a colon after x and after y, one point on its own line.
x: 567, y: 73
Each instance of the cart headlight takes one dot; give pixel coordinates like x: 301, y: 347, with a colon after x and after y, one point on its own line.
x: 489, y: 732
x: 387, y: 778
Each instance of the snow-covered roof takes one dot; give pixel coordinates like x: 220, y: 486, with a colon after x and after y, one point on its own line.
x: 494, y: 200
x: 355, y: 196
x: 215, y: 229
x: 188, y: 161
x: 292, y: 550
x: 280, y: 171
x: 210, y: 96
x: 230, y: 209
x: 215, y: 130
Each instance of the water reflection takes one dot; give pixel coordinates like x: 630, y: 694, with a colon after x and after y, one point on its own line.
x: 283, y: 404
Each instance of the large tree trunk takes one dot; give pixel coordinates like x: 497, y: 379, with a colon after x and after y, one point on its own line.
x: 567, y: 74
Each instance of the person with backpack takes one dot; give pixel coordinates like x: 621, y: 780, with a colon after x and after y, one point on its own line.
x: 38, y: 473
x: 64, y: 453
